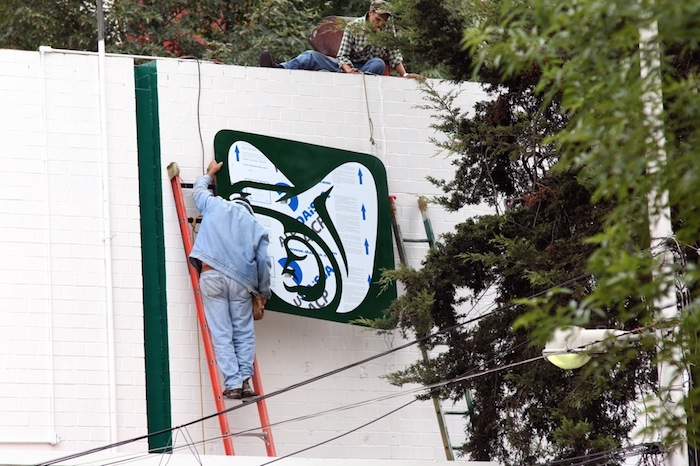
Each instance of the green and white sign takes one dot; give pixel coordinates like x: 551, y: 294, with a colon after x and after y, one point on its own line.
x: 327, y: 213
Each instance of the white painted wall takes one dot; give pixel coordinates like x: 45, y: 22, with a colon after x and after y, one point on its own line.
x: 53, y: 351
x: 54, y: 377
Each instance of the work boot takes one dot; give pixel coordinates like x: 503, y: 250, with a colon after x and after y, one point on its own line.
x: 246, y: 391
x: 266, y: 61
x: 232, y: 393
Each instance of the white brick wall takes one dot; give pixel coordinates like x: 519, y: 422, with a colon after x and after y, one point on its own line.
x: 326, y: 109
x: 53, y: 333
x: 53, y: 351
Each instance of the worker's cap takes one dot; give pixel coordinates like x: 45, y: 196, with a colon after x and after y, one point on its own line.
x: 379, y: 6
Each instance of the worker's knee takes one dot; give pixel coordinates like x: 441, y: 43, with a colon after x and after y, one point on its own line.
x: 315, y: 61
x: 374, y: 65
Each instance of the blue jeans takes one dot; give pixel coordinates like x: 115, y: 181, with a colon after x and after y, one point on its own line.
x: 316, y: 61
x: 229, y: 309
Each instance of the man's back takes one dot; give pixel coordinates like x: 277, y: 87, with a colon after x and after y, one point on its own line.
x: 231, y: 240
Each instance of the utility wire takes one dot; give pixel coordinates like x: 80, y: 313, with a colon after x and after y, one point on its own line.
x: 362, y: 403
x: 313, y: 379
x: 613, y: 454
x: 199, y: 105
x: 467, y: 376
x: 204, y: 440
x: 344, y: 368
x: 341, y: 435
x: 462, y: 378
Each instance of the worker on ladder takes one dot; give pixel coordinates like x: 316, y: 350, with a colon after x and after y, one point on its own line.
x: 230, y: 252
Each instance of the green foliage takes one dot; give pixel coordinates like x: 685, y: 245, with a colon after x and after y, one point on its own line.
x: 234, y: 32
x: 589, y: 54
x: 520, y: 414
x: 230, y: 32
x: 565, y: 148
x: 281, y: 26
x: 227, y: 31
x: 67, y: 24
x: 504, y: 155
x: 341, y: 7
x: 430, y: 36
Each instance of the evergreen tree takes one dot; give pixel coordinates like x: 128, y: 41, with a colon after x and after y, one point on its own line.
x: 563, y: 151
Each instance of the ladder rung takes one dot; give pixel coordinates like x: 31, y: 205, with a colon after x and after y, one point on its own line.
x: 424, y: 240
x: 191, y: 185
x: 456, y: 412
x: 262, y: 435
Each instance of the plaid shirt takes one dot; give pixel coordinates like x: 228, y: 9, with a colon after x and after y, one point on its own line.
x: 354, y: 46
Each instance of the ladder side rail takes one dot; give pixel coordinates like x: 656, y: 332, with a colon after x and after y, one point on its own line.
x: 446, y: 443
x: 397, y: 232
x: 201, y: 317
x: 423, y: 207
x: 262, y: 410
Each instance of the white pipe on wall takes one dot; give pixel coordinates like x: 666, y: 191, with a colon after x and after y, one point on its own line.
x: 50, y: 436
x: 107, y: 214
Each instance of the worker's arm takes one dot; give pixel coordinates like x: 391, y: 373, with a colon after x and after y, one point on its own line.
x: 264, y: 264
x: 402, y: 72
x: 344, y: 50
x: 200, y: 190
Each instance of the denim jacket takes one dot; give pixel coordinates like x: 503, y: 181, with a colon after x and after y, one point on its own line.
x: 231, y: 240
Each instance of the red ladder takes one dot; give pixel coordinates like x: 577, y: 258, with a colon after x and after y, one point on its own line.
x: 187, y: 240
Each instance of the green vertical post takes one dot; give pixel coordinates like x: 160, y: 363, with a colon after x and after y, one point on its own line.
x: 155, y: 315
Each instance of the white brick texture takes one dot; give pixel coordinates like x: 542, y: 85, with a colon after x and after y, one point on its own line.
x: 326, y: 109
x: 54, y: 352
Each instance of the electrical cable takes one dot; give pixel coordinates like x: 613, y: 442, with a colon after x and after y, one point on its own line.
x: 369, y: 116
x: 328, y: 374
x: 199, y: 103
x: 613, y: 454
x: 360, y: 403
x: 313, y: 379
x: 341, y: 369
x: 467, y: 376
x: 341, y: 435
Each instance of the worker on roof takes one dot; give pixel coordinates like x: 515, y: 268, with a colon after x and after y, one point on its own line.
x: 231, y: 253
x: 355, y: 54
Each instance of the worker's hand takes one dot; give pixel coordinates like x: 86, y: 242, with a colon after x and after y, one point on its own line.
x: 352, y: 69
x: 417, y: 76
x: 214, y: 167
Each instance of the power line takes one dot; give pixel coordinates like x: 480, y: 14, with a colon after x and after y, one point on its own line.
x: 341, y: 435
x: 359, y: 404
x: 642, y: 449
x: 584, y: 460
x: 355, y: 405
x: 329, y: 374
